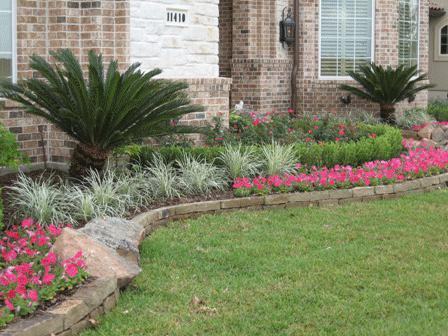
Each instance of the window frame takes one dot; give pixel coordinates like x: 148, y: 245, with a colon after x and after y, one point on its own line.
x: 14, y: 40
x: 419, y: 4
x: 372, y: 56
x: 438, y: 56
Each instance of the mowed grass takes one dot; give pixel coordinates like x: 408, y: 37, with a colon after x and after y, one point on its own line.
x: 364, y: 269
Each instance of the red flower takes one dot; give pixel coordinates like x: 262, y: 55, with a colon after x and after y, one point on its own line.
x: 9, y: 305
x: 48, y: 278
x: 27, y: 223
x: 33, y: 295
x: 71, y: 270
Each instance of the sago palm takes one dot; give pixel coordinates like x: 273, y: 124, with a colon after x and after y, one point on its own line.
x: 387, y: 86
x: 105, y: 110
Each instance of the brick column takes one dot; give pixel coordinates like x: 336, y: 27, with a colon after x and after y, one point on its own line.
x: 261, y: 68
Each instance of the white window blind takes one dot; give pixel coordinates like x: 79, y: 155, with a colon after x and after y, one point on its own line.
x: 6, y: 39
x: 408, y: 32
x: 345, y: 36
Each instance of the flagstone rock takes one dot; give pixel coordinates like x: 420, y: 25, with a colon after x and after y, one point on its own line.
x: 102, y: 261
x: 425, y: 132
x: 122, y: 235
x: 438, y: 135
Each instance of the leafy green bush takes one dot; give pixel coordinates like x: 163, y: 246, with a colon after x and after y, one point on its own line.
x: 413, y: 117
x: 438, y: 109
x: 256, y: 129
x: 384, y: 142
x: 10, y: 156
x: 1, y: 215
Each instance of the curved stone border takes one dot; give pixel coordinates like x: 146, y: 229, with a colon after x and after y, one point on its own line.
x: 79, y: 311
x: 151, y: 220
x: 73, y: 315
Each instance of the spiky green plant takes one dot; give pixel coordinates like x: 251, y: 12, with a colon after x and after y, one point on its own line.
x: 105, y: 110
x: 387, y: 86
x: 239, y: 161
x: 278, y: 159
x: 199, y: 177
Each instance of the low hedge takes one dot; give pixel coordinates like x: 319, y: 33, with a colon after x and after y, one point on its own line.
x: 385, y: 143
x: 1, y: 215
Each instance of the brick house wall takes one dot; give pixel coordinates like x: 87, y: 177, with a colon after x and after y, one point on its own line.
x: 253, y: 65
x: 83, y: 25
x: 260, y: 68
x: 316, y: 95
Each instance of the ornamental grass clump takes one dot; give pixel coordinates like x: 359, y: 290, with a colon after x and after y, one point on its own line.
x: 239, y: 161
x: 199, y: 177
x: 163, y: 181
x: 41, y: 199
x: 278, y: 159
x: 30, y: 274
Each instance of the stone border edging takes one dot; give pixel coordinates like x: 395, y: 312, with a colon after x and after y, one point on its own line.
x: 79, y: 311
x: 155, y: 218
x: 73, y: 315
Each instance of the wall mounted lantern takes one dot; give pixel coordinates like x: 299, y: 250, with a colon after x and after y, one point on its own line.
x: 287, y: 27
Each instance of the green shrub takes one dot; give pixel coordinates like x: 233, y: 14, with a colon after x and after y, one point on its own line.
x: 385, y: 142
x: 10, y: 156
x: 413, y: 117
x: 1, y: 215
x: 439, y: 110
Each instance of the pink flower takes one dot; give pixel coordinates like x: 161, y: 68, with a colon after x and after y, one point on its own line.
x: 27, y: 223
x: 55, y: 231
x: 48, y: 278
x: 9, y: 305
x: 33, y: 295
x: 71, y: 270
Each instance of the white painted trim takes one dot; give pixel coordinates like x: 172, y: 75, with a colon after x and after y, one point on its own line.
x: 13, y: 53
x: 419, y: 5
x: 14, y: 41
x: 438, y: 57
x: 372, y: 56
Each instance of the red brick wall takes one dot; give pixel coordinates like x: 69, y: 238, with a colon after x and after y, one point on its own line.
x: 45, y: 25
x: 261, y: 69
x: 225, y: 37
x: 316, y: 95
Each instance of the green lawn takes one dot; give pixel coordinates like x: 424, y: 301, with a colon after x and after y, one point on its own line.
x: 363, y: 269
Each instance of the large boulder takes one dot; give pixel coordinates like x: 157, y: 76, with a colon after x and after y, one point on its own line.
x: 426, y: 132
x: 119, y: 234
x: 438, y: 135
x: 102, y: 261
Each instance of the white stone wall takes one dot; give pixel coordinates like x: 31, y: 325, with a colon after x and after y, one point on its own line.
x: 189, y: 50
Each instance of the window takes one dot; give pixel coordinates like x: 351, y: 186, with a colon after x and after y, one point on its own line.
x: 408, y: 32
x: 7, y: 39
x: 441, y: 41
x: 444, y: 40
x: 346, y: 36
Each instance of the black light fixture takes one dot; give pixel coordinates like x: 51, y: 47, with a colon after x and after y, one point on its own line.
x: 287, y: 27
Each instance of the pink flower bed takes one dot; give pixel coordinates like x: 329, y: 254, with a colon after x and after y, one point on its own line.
x: 30, y: 274
x: 418, y: 128
x: 416, y: 163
